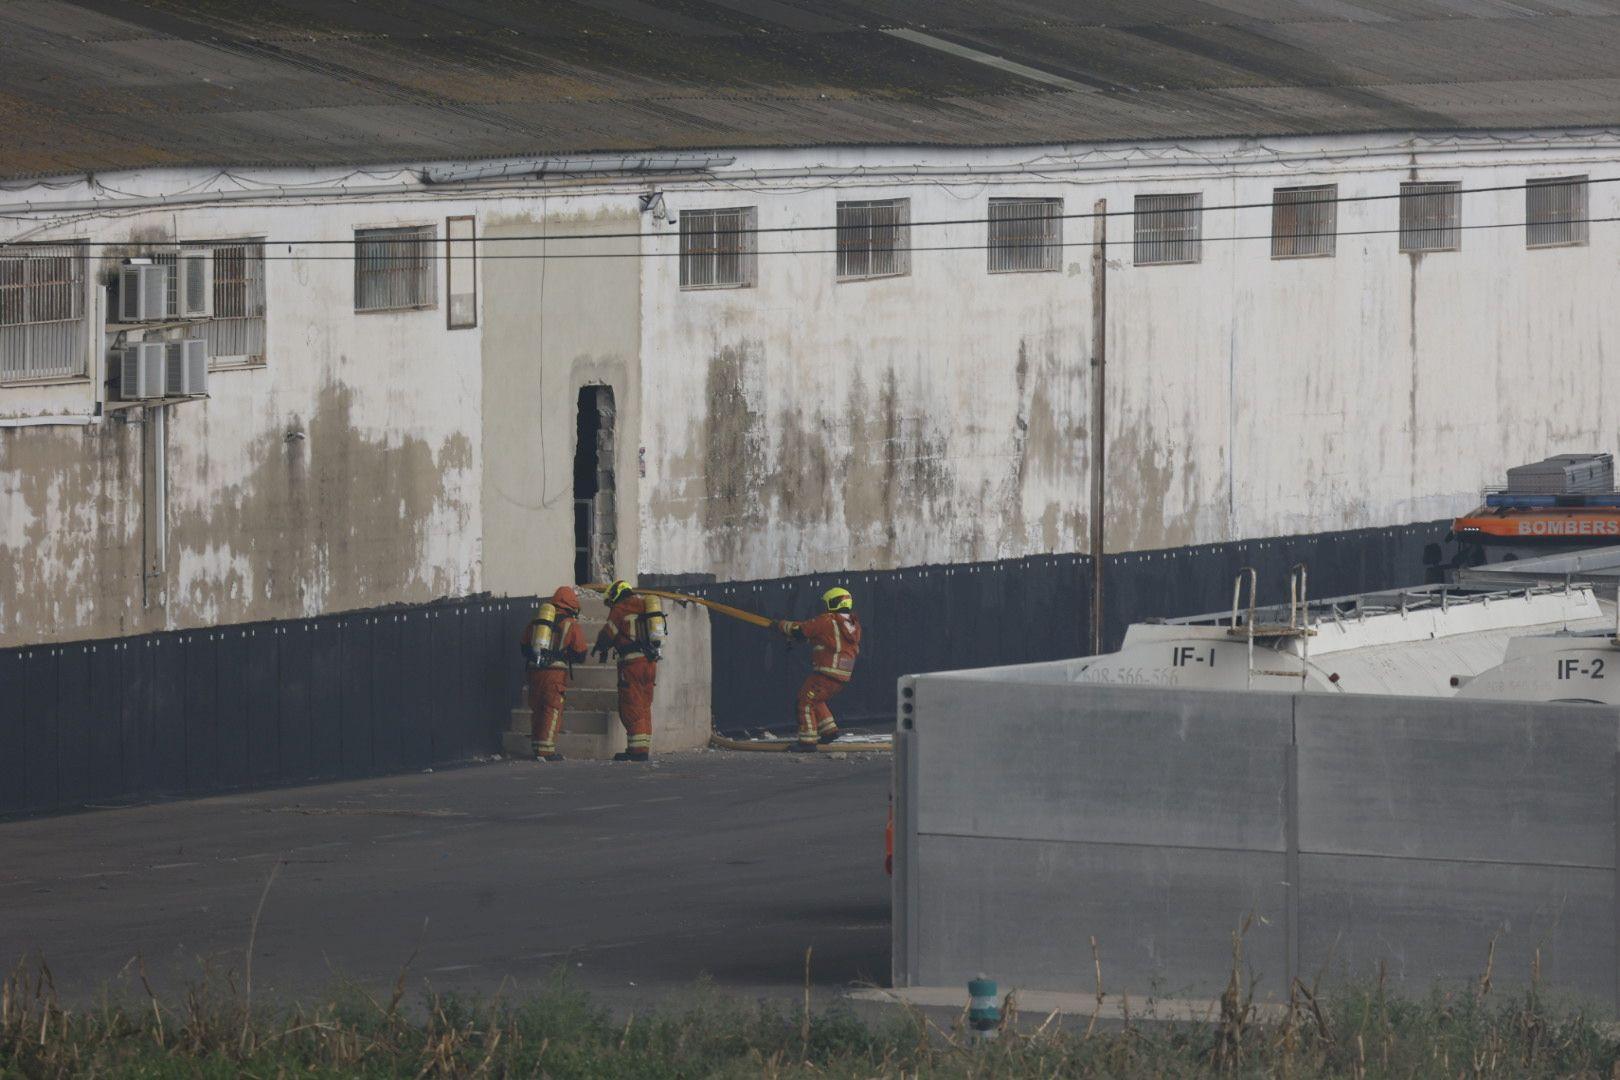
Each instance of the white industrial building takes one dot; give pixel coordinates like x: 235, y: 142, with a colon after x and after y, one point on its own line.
x: 454, y: 318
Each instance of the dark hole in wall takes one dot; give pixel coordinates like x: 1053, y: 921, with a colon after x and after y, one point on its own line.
x: 594, y: 502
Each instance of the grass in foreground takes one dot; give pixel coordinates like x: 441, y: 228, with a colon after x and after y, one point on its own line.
x: 214, y: 1030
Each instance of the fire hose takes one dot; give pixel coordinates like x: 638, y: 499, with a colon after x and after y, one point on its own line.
x: 715, y: 738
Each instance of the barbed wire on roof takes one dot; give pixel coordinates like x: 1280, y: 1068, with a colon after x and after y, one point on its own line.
x: 1570, y: 181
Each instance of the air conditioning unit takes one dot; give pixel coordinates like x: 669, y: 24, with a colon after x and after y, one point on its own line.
x: 194, y: 295
x: 143, y: 292
x: 141, y: 370
x: 186, y: 363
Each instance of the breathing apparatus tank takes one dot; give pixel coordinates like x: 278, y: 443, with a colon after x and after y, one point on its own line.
x: 652, y: 626
x: 544, y: 639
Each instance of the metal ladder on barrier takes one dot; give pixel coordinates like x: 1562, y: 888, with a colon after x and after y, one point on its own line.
x: 1297, y: 626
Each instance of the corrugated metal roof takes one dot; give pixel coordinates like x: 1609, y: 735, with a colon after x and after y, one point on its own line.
x: 93, y: 85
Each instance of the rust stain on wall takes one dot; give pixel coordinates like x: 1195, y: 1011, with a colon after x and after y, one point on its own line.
x: 333, y: 521
x: 735, y: 461
x: 77, y: 571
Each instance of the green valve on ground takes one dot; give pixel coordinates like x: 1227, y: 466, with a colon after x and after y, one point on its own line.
x: 984, y: 1007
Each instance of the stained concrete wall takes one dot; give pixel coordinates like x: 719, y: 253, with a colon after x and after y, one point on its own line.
x: 811, y: 426
x: 808, y: 426
x: 1355, y: 831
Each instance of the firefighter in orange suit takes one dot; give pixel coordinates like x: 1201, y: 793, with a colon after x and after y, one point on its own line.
x: 835, y: 642
x: 635, y: 631
x: 552, y: 643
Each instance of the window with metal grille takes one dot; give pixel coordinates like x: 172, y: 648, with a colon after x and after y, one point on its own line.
x: 236, y: 332
x: 1431, y: 216
x: 718, y: 248
x: 1169, y: 229
x: 393, y: 269
x: 42, y: 312
x: 1555, y: 212
x: 874, y: 239
x: 1304, y: 221
x: 1025, y: 234
x: 460, y: 273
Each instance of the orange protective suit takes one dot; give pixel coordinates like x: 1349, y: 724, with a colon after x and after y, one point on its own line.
x: 835, y: 642
x: 548, y: 679
x: 638, y: 672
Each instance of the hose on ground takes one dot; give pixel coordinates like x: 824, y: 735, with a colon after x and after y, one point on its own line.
x: 720, y: 742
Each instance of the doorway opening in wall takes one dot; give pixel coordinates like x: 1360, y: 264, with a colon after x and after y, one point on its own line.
x: 595, y: 509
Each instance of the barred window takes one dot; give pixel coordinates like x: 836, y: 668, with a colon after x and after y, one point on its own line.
x: 1169, y: 229
x: 42, y: 312
x: 393, y: 269
x: 1304, y: 221
x: 1025, y: 234
x: 236, y: 332
x: 718, y: 248
x: 1555, y: 212
x: 874, y: 239
x: 1431, y: 216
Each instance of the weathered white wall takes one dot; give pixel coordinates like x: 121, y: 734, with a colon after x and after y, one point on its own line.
x: 810, y: 426
x: 807, y: 424
x: 377, y: 503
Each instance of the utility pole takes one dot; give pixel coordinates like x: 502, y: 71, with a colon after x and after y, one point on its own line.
x: 1099, y: 385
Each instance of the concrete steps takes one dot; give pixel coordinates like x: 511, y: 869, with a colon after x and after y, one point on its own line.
x: 590, y: 725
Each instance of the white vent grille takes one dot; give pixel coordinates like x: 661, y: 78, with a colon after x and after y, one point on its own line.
x: 394, y: 269
x: 1555, y: 212
x: 42, y: 312
x: 141, y: 370
x: 1304, y: 221
x: 874, y: 239
x: 1025, y: 234
x: 1169, y: 229
x: 719, y: 248
x: 1431, y: 216
x: 186, y: 367
x: 143, y: 293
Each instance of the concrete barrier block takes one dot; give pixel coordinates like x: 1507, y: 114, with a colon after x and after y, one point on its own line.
x: 1433, y: 922
x: 1420, y: 778
x: 1024, y: 912
x: 1101, y: 764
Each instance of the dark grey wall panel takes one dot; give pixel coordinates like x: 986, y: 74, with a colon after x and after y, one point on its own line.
x: 387, y: 743
x: 1443, y: 779
x: 200, y: 695
x: 231, y: 716
x: 1102, y: 764
x: 325, y: 698
x: 1434, y: 921
x: 356, y: 680
x: 104, y: 718
x: 1025, y: 911
x: 40, y: 703
x: 73, y: 723
x: 262, y: 707
x: 13, y: 732
x: 292, y: 700
x: 416, y: 678
x: 164, y: 731
x: 201, y: 711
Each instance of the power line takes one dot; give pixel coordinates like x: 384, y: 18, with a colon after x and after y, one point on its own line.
x: 1557, y: 181
x: 1418, y: 229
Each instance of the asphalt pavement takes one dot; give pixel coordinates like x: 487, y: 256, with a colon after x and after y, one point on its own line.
x: 638, y: 880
